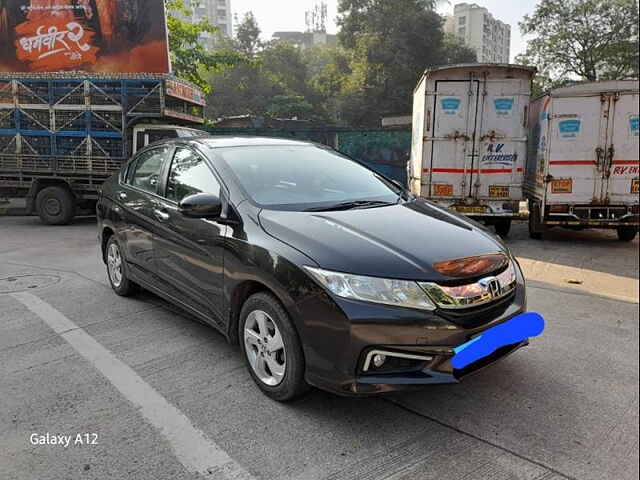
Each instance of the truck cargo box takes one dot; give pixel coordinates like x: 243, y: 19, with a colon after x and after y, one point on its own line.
x: 74, y: 130
x: 469, y: 139
x: 582, y: 169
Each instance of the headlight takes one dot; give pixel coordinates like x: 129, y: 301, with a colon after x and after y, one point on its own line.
x: 400, y: 293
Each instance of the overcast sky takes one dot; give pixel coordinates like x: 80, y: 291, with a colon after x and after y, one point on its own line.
x: 278, y: 15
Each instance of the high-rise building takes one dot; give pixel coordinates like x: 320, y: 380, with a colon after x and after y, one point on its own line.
x: 218, y: 12
x: 490, y: 38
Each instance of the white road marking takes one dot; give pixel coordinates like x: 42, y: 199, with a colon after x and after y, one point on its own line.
x: 193, y: 449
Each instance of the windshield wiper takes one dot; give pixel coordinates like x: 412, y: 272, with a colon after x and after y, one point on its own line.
x: 351, y: 205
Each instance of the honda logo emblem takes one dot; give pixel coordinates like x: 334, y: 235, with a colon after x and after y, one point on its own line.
x: 492, y: 286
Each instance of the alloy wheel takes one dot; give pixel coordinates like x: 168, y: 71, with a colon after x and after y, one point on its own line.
x: 264, y: 348
x: 114, y: 265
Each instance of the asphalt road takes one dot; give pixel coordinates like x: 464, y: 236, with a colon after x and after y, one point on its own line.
x: 154, y: 388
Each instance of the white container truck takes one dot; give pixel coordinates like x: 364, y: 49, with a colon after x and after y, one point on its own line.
x: 582, y: 168
x: 470, y: 139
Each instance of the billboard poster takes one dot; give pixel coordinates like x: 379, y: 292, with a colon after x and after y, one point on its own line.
x: 106, y: 36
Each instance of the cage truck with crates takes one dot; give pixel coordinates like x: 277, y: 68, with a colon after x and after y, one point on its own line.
x: 63, y: 134
x: 583, y: 168
x: 469, y: 140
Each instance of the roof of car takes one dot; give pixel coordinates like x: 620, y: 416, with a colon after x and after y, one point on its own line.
x: 237, y: 141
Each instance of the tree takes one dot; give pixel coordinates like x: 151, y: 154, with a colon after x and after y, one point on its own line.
x: 382, y: 16
x: 189, y: 59
x: 390, y: 44
x: 456, y: 51
x: 290, y: 106
x: 385, y: 45
x: 248, y: 35
x: 273, y: 81
x: 590, y: 39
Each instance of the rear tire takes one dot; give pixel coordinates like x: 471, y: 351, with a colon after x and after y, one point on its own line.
x: 503, y: 227
x: 55, y: 206
x: 627, y: 234
x: 271, y: 348
x: 117, y: 269
x: 536, y: 228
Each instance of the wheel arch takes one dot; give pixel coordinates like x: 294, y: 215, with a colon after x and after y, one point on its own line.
x: 106, y: 234
x: 239, y: 296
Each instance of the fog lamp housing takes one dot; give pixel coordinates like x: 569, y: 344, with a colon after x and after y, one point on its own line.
x: 378, y: 360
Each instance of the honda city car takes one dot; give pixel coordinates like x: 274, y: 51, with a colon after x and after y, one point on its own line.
x: 325, y: 272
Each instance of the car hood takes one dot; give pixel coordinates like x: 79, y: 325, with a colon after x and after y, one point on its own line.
x: 401, y: 241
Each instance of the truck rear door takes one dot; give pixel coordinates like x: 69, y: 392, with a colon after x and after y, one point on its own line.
x: 578, y: 142
x: 498, y: 171
x: 622, y: 165
x: 455, y: 112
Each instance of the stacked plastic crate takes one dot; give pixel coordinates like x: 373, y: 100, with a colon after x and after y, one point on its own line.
x: 77, y: 127
x: 66, y: 123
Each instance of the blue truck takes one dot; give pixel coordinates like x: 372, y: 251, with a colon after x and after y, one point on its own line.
x: 63, y: 134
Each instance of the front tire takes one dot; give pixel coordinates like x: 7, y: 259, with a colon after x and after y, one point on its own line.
x: 116, y: 270
x: 271, y: 348
x: 627, y: 234
x: 55, y: 206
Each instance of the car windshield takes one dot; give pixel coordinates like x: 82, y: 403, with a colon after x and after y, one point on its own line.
x: 306, y: 177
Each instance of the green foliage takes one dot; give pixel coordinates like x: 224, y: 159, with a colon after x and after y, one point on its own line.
x: 289, y: 106
x: 390, y: 43
x: 189, y: 59
x: 455, y: 51
x: 590, y: 39
x: 276, y: 82
x: 248, y: 35
x: 385, y: 45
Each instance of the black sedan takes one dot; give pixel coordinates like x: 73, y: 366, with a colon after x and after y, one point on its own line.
x: 323, y: 271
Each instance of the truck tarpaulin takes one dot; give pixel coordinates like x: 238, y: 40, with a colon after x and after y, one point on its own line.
x: 114, y: 36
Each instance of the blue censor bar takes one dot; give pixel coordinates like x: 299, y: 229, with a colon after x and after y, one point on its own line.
x: 511, y: 332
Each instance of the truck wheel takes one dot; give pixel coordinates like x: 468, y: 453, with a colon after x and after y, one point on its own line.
x: 536, y: 229
x: 503, y: 227
x: 627, y: 234
x: 55, y: 206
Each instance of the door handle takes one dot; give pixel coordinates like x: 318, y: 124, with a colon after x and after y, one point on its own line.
x: 161, y: 215
x: 122, y: 195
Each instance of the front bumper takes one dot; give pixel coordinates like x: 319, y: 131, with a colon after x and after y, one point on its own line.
x: 346, y: 333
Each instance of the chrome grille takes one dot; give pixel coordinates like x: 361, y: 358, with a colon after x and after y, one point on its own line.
x: 484, y: 291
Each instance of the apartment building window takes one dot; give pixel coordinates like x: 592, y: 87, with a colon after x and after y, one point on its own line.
x: 462, y: 20
x: 462, y: 31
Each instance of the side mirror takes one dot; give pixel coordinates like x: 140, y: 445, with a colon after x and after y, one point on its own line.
x: 201, y: 205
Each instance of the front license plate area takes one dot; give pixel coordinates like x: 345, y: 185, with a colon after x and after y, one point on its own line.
x: 511, y: 332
